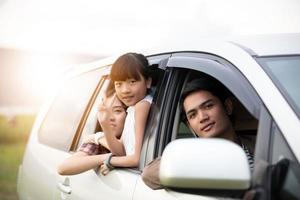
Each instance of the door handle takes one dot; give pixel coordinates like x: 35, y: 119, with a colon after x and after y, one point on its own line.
x: 64, y: 188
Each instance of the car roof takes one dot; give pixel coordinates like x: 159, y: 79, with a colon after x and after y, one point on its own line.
x: 259, y: 45
x: 255, y: 45
x: 269, y: 45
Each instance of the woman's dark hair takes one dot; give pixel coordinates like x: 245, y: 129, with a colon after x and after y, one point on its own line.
x: 130, y: 65
x: 206, y: 83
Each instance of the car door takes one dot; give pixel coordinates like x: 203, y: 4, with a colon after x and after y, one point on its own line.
x: 51, y: 136
x: 181, y: 66
x: 159, y: 133
x: 118, y: 184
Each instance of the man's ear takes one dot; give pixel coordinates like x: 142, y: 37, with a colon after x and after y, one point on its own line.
x: 228, y: 106
x: 149, y: 82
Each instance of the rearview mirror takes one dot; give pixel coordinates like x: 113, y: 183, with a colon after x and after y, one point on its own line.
x: 205, y: 164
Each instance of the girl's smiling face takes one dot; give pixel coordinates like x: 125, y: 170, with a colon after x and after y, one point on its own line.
x: 131, y: 90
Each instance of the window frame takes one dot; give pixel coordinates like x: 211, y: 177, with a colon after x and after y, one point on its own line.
x: 68, y: 77
x: 221, y: 69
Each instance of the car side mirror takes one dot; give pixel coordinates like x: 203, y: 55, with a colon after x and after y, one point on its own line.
x: 216, y: 164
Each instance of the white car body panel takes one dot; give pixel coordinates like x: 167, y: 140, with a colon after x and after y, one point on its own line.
x: 43, y: 175
x: 142, y: 191
x: 119, y: 184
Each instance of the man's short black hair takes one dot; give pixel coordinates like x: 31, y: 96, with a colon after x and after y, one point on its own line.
x: 204, y: 83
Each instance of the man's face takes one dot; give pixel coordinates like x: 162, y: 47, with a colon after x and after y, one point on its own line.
x: 206, y: 114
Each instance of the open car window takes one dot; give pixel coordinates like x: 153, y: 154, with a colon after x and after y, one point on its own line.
x: 243, y: 122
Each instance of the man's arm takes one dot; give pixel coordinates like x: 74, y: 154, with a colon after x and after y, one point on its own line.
x: 150, y: 174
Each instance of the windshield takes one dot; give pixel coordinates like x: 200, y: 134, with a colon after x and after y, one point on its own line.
x: 285, y: 72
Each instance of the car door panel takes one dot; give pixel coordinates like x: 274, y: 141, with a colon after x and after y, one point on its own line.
x: 40, y: 170
x: 146, y: 193
x: 118, y: 184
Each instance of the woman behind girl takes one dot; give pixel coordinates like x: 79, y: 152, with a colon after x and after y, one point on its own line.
x: 94, y: 149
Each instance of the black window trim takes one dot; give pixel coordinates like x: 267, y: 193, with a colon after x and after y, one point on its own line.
x: 221, y: 69
x: 154, y: 140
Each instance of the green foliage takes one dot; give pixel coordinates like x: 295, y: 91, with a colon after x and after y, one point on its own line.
x: 13, y: 136
x: 16, y: 129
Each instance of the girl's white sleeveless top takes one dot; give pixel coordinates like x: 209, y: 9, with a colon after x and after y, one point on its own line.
x: 128, y: 134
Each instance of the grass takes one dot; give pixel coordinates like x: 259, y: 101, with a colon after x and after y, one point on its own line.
x: 14, y: 133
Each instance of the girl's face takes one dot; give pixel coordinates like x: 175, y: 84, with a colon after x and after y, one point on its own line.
x: 131, y: 90
x: 117, y: 114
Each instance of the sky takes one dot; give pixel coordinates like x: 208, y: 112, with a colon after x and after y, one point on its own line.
x: 107, y: 27
x: 47, y: 30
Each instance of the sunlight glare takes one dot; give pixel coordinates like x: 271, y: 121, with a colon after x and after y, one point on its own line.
x: 42, y: 74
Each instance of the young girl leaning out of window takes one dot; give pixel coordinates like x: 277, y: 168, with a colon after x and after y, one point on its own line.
x: 131, y: 77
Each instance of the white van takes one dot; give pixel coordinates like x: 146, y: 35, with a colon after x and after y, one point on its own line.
x: 262, y: 73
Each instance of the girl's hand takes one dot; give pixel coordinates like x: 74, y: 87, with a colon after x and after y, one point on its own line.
x: 104, y: 170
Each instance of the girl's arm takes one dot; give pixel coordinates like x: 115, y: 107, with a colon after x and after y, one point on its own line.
x: 80, y: 162
x: 141, y: 114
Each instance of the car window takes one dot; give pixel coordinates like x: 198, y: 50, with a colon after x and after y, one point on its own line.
x: 184, y: 131
x: 284, y: 71
x: 285, y: 170
x: 279, y: 147
x: 64, y: 115
x: 223, y: 71
x: 243, y: 122
x: 92, y: 125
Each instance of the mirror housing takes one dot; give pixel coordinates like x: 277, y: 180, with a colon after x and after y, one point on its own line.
x: 211, y: 163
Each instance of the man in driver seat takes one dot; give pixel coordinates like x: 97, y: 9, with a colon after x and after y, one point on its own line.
x: 207, y: 110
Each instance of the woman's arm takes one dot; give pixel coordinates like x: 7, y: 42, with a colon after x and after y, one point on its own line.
x: 80, y: 162
x: 141, y: 114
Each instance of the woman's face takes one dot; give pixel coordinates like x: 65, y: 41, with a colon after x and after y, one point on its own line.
x: 117, y: 114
